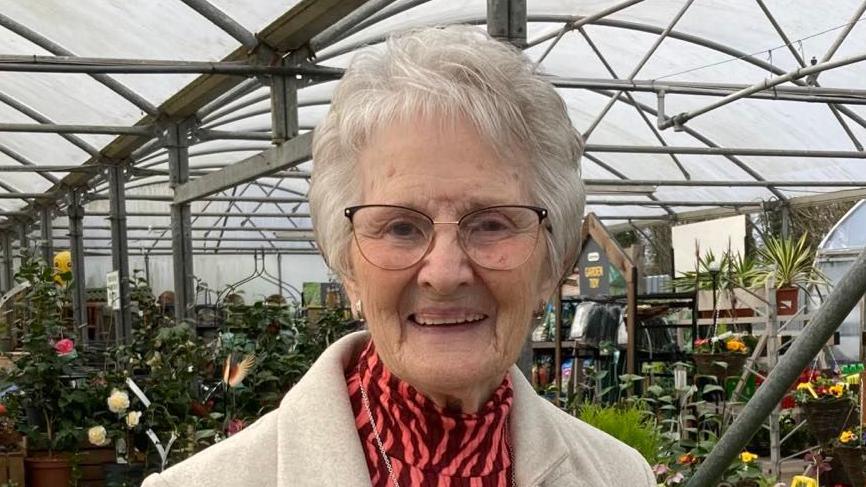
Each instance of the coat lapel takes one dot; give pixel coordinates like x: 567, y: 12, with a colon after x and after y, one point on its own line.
x: 318, y: 443
x: 539, y: 448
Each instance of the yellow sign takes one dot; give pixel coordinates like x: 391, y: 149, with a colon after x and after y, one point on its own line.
x: 594, y: 275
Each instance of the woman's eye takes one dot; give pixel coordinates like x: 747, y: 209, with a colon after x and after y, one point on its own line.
x: 402, y: 230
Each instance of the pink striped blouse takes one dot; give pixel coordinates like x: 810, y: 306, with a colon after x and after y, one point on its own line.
x: 428, y: 445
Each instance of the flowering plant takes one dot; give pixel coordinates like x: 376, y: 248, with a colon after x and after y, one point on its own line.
x: 726, y: 342
x: 854, y: 437
x: 51, y: 402
x: 815, y: 386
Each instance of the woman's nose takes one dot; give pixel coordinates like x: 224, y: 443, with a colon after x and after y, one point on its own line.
x: 446, y: 267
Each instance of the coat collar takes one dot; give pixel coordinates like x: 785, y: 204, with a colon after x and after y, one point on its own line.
x: 318, y: 443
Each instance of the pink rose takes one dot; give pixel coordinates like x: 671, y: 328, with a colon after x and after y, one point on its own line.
x: 64, y: 347
x: 235, y: 426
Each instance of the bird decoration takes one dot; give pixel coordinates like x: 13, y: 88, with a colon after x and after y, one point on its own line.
x: 235, y: 371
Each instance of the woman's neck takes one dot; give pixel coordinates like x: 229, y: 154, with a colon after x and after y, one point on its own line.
x: 466, y: 401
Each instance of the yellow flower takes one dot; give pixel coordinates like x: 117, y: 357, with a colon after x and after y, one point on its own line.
x: 118, y: 401
x: 837, y: 390
x: 735, y: 346
x: 747, y: 457
x: 847, y: 436
x: 132, y: 419
x: 807, y: 387
x: 97, y: 436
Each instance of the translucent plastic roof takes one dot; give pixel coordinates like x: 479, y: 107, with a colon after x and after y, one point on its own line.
x: 717, y: 46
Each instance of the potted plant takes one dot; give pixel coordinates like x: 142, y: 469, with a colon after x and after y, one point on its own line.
x: 50, y: 403
x: 726, y: 276
x: 849, y: 449
x: 722, y: 356
x: 827, y: 403
x: 792, y: 265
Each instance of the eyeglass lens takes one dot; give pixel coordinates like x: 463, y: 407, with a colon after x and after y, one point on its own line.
x: 396, y: 238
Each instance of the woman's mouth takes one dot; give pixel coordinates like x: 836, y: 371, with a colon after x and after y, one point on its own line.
x: 430, y: 321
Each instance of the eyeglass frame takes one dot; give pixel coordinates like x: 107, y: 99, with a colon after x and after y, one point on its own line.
x: 349, y: 212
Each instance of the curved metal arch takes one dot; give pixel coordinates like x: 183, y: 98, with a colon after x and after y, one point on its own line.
x: 58, y: 50
x: 622, y: 24
x: 636, y: 26
x: 73, y: 139
x: 26, y: 162
x: 257, y: 112
x: 701, y: 138
x: 206, y: 152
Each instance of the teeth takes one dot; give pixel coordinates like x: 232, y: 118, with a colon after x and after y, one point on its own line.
x: 448, y: 321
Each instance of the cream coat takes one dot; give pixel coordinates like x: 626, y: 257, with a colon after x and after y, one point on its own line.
x: 311, y: 440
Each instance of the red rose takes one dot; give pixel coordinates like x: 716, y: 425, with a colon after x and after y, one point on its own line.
x: 235, y: 426
x: 64, y: 347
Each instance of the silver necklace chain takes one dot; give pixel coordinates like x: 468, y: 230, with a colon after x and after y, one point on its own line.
x: 387, y: 460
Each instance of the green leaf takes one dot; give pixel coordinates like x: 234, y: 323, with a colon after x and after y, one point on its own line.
x: 712, y: 388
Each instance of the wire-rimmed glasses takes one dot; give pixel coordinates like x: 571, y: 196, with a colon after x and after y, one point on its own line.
x: 395, y: 237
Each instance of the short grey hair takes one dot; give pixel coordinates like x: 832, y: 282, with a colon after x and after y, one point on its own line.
x: 454, y: 71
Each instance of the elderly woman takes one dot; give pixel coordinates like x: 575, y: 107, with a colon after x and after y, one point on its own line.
x: 446, y: 194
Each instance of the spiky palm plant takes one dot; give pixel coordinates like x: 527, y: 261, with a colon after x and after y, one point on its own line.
x: 790, y: 262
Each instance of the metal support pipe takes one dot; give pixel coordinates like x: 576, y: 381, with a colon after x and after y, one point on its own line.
x: 506, y: 21
x: 204, y: 135
x: 120, y: 251
x: 75, y: 213
x: 807, y: 94
x: 678, y: 120
x: 571, y: 25
x: 229, y: 25
x: 728, y: 184
x: 75, y: 64
x: 848, y: 290
x: 23, y: 240
x: 144, y: 130
x: 726, y: 151
x: 841, y: 37
x: 7, y: 272
x: 46, y: 243
x: 284, y: 107
x: 639, y: 66
x: 177, y: 144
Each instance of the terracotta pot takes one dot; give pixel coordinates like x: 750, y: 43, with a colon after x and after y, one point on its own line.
x: 53, y: 471
x: 787, y: 301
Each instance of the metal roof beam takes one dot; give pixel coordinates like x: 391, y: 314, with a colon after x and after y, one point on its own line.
x: 682, y: 118
x: 284, y: 156
x: 711, y: 183
x: 808, y: 94
x: 672, y: 203
x: 726, y: 151
x: 223, y: 21
x: 59, y: 50
x: 661, y: 37
x: 841, y: 37
x: 97, y: 65
x: 640, y: 112
x: 143, y: 131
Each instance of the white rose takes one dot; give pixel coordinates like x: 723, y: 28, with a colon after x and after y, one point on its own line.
x: 132, y: 419
x: 97, y: 436
x: 118, y: 401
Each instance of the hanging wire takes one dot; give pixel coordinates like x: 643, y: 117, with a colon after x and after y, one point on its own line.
x: 756, y: 53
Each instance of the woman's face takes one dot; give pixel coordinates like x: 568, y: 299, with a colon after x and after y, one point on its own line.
x: 445, y: 171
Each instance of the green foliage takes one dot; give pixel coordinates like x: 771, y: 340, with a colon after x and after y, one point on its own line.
x: 733, y: 271
x: 789, y: 262
x: 52, y: 400
x: 627, y: 423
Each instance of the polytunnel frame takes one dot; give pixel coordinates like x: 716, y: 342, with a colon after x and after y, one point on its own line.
x: 191, y: 115
x: 304, y: 30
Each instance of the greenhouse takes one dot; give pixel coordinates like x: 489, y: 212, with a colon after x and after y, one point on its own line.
x: 657, y: 209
